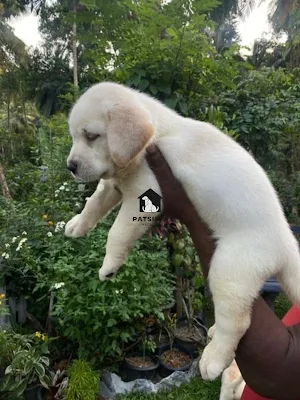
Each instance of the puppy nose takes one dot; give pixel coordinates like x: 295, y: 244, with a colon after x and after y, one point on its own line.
x: 72, y: 166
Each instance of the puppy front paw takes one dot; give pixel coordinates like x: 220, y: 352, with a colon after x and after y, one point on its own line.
x: 214, y: 361
x: 109, y: 269
x: 76, y: 227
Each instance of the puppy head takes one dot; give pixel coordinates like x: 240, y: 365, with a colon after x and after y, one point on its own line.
x: 109, y: 127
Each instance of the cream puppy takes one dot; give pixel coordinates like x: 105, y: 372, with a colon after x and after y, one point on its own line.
x: 111, y: 126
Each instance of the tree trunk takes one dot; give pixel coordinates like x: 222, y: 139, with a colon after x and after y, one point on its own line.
x: 5, y: 189
x: 8, y: 113
x: 74, y: 44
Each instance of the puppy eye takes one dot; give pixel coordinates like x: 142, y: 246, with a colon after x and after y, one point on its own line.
x: 92, y: 136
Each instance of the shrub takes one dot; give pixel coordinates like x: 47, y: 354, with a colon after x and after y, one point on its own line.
x: 83, y: 383
x: 102, y: 317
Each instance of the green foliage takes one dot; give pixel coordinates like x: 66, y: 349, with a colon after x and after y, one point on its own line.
x: 194, y: 390
x: 263, y: 110
x: 83, y: 383
x: 282, y: 305
x: 102, y: 317
x: 25, y: 361
x: 188, y: 271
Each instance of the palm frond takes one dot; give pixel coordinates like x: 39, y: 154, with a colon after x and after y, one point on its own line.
x: 11, y: 47
x: 247, y: 6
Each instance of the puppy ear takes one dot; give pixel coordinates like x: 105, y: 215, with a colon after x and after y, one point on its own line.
x: 129, y: 131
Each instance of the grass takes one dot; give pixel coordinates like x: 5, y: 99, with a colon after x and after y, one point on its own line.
x: 282, y: 305
x: 197, y: 389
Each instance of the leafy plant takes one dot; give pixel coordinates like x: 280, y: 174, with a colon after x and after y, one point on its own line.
x: 83, y: 383
x: 28, y: 367
x: 170, y: 326
x: 110, y: 312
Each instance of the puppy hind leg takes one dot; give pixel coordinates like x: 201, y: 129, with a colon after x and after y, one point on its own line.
x: 234, y: 283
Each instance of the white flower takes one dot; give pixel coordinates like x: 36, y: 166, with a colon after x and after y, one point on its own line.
x: 24, y: 233
x: 135, y: 289
x: 13, y: 239
x: 5, y: 255
x: 21, y: 243
x: 49, y: 234
x: 67, y: 190
x: 7, y: 245
x: 117, y: 291
x: 121, y: 291
x: 65, y: 183
x: 77, y: 204
x: 56, y: 195
x: 58, y: 285
x: 60, y: 226
x: 61, y: 187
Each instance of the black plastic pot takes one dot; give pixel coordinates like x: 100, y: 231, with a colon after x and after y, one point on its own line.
x: 166, y: 370
x: 34, y: 393
x: 131, y: 372
x: 192, y: 346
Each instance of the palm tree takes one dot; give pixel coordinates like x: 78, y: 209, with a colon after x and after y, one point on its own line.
x: 284, y: 16
x: 12, y: 49
x: 226, y: 16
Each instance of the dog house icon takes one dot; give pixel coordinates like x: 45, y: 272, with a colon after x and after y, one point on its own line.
x: 150, y: 201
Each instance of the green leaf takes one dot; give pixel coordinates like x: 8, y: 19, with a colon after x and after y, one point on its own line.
x: 125, y: 336
x: 8, y: 370
x: 177, y: 260
x: 144, y: 83
x: 21, y: 388
x: 171, y: 102
x: 164, y: 88
x: 40, y: 370
x: 153, y: 89
x: 43, y: 383
x: 171, y: 32
x: 136, y: 80
x: 111, y: 322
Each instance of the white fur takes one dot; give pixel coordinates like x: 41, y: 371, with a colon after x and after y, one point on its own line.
x: 230, y: 191
x: 233, y: 384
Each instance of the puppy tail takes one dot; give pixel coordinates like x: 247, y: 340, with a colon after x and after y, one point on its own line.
x: 289, y: 277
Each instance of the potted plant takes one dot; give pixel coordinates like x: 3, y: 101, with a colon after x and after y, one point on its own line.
x: 142, y: 364
x: 27, y: 374
x: 189, y: 332
x: 173, y: 357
